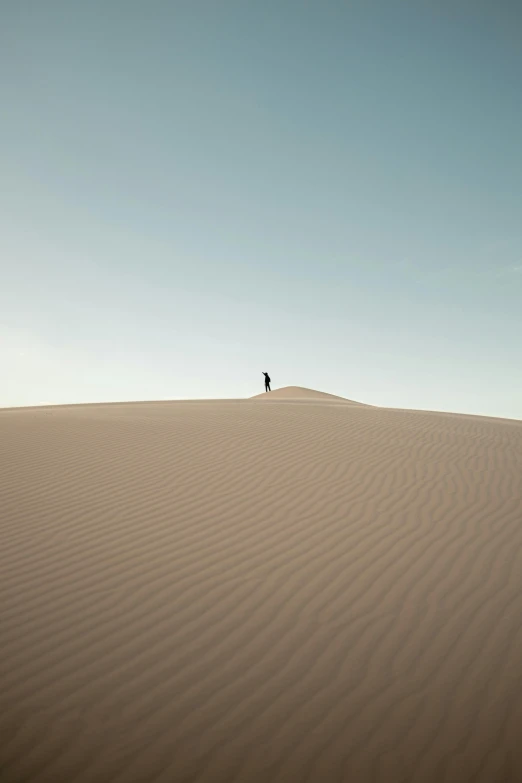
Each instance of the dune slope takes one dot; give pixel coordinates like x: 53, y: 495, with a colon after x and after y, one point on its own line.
x: 298, y: 393
x: 228, y: 591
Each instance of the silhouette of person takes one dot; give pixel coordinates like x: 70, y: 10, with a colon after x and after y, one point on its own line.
x: 267, y: 382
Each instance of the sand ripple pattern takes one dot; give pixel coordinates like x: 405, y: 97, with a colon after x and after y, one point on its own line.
x: 229, y: 591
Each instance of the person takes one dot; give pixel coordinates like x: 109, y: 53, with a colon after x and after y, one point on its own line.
x: 267, y: 382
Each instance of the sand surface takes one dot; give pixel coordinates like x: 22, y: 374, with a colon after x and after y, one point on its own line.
x: 300, y: 393
x: 217, y: 591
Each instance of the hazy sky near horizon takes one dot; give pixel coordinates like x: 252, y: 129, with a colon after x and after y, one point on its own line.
x: 196, y: 191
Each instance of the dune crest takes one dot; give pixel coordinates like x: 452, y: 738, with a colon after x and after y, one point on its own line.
x: 299, y: 392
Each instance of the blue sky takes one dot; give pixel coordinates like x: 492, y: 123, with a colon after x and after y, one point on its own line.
x: 196, y: 191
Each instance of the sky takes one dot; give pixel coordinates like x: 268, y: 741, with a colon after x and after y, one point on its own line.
x: 196, y: 191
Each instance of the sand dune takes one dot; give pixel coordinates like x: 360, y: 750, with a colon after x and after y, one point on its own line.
x: 298, y: 393
x: 232, y: 591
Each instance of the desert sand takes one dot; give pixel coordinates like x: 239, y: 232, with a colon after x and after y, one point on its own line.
x: 293, y: 587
